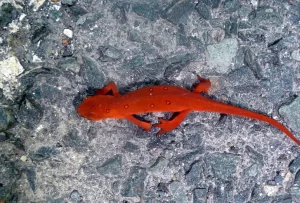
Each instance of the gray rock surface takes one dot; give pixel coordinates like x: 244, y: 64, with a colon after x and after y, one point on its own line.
x: 248, y: 49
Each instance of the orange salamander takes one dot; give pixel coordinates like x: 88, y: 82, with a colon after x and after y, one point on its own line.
x: 162, y: 98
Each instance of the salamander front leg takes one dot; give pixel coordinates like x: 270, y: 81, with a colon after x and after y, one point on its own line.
x: 107, y: 88
x: 168, y: 125
x: 143, y: 124
x: 203, y: 86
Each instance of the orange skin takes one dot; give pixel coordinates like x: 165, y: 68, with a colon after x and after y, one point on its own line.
x: 162, y: 98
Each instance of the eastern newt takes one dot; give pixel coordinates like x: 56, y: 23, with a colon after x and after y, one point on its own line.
x: 162, y: 98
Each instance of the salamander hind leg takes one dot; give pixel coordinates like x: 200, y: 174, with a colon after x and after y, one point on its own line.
x: 143, y: 124
x: 168, y: 125
x: 107, y: 88
x: 203, y: 86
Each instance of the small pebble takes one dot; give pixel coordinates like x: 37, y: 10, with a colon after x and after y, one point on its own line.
x: 68, y: 33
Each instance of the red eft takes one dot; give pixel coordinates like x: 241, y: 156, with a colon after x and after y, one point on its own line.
x: 162, y: 98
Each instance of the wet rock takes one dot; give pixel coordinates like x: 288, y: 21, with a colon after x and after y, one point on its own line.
x: 109, y: 54
x: 7, y: 14
x: 92, y: 133
x: 178, y: 10
x: 91, y: 73
x: 77, y: 11
x: 194, y: 176
x: 111, y: 166
x: 291, y: 112
x: 178, y: 192
x: 221, y: 54
x: 224, y: 165
x: 200, y: 195
x: 43, y: 153
x: 134, y: 185
x: 130, y: 147
x: 148, y: 11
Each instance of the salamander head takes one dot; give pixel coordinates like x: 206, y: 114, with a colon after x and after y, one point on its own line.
x: 97, y: 107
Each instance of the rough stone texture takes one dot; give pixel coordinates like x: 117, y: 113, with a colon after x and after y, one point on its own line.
x: 248, y: 49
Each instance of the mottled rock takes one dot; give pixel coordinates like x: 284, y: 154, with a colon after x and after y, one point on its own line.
x: 119, y: 11
x: 31, y: 177
x: 291, y: 112
x: 160, y: 164
x: 296, y: 55
x: 242, y: 196
x: 178, y: 192
x: 221, y: 54
x: 68, y: 2
x: 250, y: 60
x: 134, y: 36
x: 223, y: 192
x: 231, y: 27
x: 91, y: 73
x: 294, y: 165
x: 48, y: 92
x: 69, y: 64
x: 72, y: 139
x: 75, y: 196
x: 149, y: 11
x: 43, y: 153
x: 194, y: 138
x: 130, y: 147
x: 182, y: 39
x: 111, y: 166
x: 30, y: 112
x: 297, y: 178
x: 177, y: 63
x: 6, y: 118
x: 3, y: 137
x: 109, y: 53
x: 187, y: 159
x: 231, y: 5
x: 194, y: 176
x: 266, y: 15
x: 7, y: 14
x: 40, y: 30
x: 178, y: 10
x: 203, y: 10
x: 134, y: 184
x: 224, y: 165
x: 251, y: 171
x: 134, y: 62
x: 254, y: 155
x: 200, y: 195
